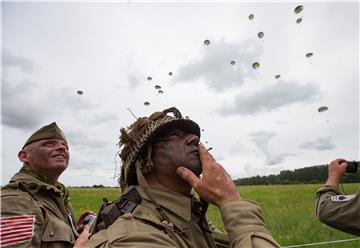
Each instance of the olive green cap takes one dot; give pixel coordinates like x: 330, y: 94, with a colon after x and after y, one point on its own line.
x: 51, y: 131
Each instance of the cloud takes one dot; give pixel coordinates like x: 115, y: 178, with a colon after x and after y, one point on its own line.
x: 270, y: 98
x: 261, y: 140
x: 26, y: 106
x: 65, y: 98
x: 214, y: 68
x: 11, y: 60
x: 319, y: 144
x: 86, y: 138
x: 238, y: 148
x: 133, y: 81
x: 103, y: 117
x: 19, y: 109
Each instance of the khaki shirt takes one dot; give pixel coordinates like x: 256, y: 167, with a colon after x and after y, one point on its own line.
x: 144, y: 228
x: 44, y: 208
x: 339, y: 211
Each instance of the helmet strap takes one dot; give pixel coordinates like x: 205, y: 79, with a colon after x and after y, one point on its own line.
x: 148, y: 165
x: 145, y: 186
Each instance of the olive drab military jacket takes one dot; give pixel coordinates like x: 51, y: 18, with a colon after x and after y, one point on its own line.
x: 34, y: 214
x: 337, y: 210
x: 144, y: 226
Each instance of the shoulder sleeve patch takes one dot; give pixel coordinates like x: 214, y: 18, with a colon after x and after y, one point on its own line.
x: 342, y: 198
x: 16, y: 229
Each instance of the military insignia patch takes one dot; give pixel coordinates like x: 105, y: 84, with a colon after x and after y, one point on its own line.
x: 342, y: 198
x: 16, y: 229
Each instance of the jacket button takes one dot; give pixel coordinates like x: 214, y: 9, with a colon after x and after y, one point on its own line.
x: 52, y: 234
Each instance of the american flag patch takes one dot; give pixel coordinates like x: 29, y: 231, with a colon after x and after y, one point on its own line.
x: 16, y: 229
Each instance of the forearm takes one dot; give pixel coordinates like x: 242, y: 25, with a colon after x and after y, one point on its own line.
x: 245, y: 225
x: 333, y: 181
x: 338, y: 211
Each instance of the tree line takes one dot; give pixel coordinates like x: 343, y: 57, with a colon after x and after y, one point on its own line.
x: 307, y: 175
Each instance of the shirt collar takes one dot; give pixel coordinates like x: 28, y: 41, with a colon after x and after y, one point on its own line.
x: 28, y: 171
x: 36, y: 181
x: 174, y: 203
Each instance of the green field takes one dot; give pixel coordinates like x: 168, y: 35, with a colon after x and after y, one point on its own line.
x: 289, y: 211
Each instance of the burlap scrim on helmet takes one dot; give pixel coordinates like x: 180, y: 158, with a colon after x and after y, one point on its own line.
x: 136, y: 139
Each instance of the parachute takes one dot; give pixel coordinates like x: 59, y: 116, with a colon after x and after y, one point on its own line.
x: 255, y: 65
x: 298, y: 9
x: 206, y: 42
x: 158, y: 87
x: 260, y: 35
x: 160, y: 92
x: 322, y: 109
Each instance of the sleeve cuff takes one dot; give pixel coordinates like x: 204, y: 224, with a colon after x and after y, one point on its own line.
x: 241, y: 217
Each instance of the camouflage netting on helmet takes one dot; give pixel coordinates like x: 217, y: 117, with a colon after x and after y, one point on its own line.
x: 136, y: 139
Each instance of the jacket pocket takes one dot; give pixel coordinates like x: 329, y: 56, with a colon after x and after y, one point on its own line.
x: 57, y: 230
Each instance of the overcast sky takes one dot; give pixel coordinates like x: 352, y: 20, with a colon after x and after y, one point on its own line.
x: 256, y: 124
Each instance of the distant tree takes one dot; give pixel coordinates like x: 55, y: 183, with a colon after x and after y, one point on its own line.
x: 98, y: 186
x: 311, y: 174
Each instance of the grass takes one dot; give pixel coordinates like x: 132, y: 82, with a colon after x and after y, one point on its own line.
x: 289, y: 212
x: 83, y: 199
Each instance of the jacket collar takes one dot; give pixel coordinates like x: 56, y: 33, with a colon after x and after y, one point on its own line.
x: 28, y: 171
x: 34, y: 183
x: 177, y: 206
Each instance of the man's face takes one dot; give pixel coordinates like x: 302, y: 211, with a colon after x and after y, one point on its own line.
x: 175, y: 147
x: 47, y: 157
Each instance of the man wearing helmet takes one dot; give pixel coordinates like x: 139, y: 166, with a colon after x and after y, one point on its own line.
x: 161, y: 164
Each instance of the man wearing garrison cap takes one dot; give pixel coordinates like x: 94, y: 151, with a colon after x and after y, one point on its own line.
x: 35, y: 207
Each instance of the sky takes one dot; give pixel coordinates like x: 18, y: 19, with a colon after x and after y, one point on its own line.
x: 256, y: 124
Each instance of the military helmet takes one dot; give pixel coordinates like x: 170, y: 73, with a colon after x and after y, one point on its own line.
x: 136, y: 139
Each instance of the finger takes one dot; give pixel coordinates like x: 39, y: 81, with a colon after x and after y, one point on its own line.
x: 344, y: 164
x: 339, y: 160
x: 83, y: 238
x: 86, y: 229
x: 204, y: 154
x: 188, y: 176
x: 342, y: 160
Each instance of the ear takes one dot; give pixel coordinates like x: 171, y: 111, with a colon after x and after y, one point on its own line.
x: 23, y: 156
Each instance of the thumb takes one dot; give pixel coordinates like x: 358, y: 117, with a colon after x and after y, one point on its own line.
x: 188, y: 176
x: 87, y: 228
x: 83, y: 238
